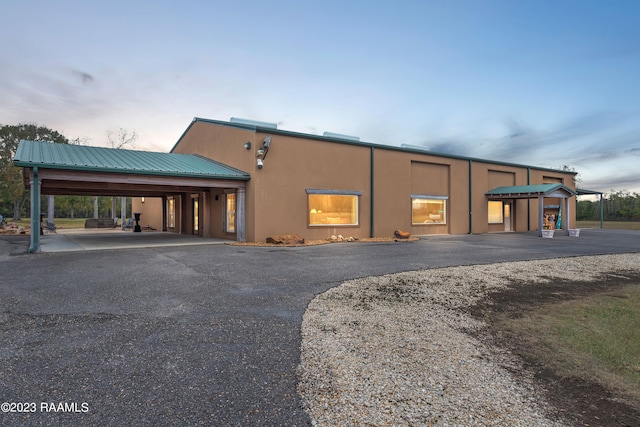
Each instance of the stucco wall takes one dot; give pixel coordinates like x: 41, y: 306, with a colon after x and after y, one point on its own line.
x: 277, y: 203
x: 151, y: 211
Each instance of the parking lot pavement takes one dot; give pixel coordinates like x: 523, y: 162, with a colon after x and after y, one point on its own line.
x: 198, y: 335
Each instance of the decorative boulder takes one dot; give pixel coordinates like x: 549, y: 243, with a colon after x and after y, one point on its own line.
x: 401, y: 234
x: 286, y: 239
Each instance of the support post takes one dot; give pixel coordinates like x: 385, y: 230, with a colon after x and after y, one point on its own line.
x: 50, y: 208
x: 206, y: 213
x: 34, y: 185
x: 540, y: 215
x: 123, y: 212
x: 567, y: 215
x: 240, y: 216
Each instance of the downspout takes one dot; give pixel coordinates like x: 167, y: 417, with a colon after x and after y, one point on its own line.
x: 35, y: 211
x: 371, y: 197
x: 470, y: 198
x: 528, y: 201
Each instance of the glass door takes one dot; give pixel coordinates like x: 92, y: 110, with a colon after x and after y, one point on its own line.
x: 230, y: 213
x: 508, y: 225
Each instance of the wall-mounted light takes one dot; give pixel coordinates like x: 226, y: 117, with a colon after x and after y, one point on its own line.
x: 142, y: 199
x: 247, y: 145
x: 261, y: 153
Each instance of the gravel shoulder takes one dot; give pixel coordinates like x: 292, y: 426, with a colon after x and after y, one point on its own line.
x: 417, y: 348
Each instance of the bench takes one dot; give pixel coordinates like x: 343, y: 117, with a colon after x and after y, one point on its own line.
x: 100, y: 223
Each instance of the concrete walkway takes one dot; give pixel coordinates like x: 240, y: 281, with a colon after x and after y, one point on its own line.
x: 92, y: 240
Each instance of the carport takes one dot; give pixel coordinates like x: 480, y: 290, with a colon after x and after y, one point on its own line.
x: 540, y: 192
x: 64, y: 169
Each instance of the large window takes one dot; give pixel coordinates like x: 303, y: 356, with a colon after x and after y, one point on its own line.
x: 171, y: 213
x: 231, y: 213
x: 495, y: 212
x: 333, y: 207
x: 428, y: 209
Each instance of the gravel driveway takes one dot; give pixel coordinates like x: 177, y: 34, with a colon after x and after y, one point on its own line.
x: 197, y: 335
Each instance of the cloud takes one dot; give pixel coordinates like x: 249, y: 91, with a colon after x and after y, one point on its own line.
x: 85, y: 78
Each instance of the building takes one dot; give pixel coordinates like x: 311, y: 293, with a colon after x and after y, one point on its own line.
x: 318, y: 186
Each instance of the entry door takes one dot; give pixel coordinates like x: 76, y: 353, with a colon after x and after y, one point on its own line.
x: 196, y: 215
x: 508, y: 223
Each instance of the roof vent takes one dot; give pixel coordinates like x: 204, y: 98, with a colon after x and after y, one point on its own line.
x: 341, y: 136
x: 254, y: 123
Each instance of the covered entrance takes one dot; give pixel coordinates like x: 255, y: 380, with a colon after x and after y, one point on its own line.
x: 63, y: 169
x: 552, y: 214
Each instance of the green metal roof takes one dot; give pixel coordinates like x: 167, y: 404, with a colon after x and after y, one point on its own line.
x: 51, y: 155
x: 254, y: 126
x: 528, y: 190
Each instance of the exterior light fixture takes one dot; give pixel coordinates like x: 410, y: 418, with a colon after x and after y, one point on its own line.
x: 142, y: 199
x: 261, y: 153
x: 247, y: 145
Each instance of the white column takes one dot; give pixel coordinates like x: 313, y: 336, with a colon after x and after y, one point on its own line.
x: 35, y: 211
x: 123, y: 212
x: 50, y: 209
x: 240, y: 231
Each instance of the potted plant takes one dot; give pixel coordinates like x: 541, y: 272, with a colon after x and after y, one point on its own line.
x: 547, y: 232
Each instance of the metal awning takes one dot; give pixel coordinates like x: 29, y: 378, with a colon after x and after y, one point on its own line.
x: 65, y: 169
x: 531, y: 191
x: 536, y: 191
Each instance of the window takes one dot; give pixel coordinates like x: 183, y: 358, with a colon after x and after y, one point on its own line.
x: 196, y: 215
x: 495, y: 212
x: 231, y: 213
x: 171, y: 213
x: 428, y: 209
x: 333, y: 207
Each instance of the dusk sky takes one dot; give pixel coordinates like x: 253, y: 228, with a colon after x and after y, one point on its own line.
x: 543, y: 83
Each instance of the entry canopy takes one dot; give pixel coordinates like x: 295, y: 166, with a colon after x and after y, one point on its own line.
x: 76, y: 170
x: 531, y: 191
x: 49, y: 155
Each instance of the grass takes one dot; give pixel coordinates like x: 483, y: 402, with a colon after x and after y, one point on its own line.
x: 593, y: 338
x: 611, y: 225
x: 62, y: 223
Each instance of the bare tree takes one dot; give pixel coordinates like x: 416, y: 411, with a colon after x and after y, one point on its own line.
x: 118, y: 139
x: 122, y: 138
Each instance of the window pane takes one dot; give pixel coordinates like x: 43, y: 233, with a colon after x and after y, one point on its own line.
x: 171, y: 218
x: 231, y: 213
x: 495, y: 213
x: 196, y: 216
x: 428, y: 211
x: 333, y: 209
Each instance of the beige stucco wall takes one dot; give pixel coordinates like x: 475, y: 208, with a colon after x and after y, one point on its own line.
x: 277, y: 203
x: 150, y: 210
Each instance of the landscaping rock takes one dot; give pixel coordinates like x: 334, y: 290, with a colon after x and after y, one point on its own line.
x: 286, y: 239
x: 401, y: 234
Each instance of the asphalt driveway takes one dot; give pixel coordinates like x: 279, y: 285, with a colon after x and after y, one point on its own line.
x: 197, y: 335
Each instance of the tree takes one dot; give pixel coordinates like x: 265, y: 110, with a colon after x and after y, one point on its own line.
x: 11, y: 183
x: 120, y: 139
